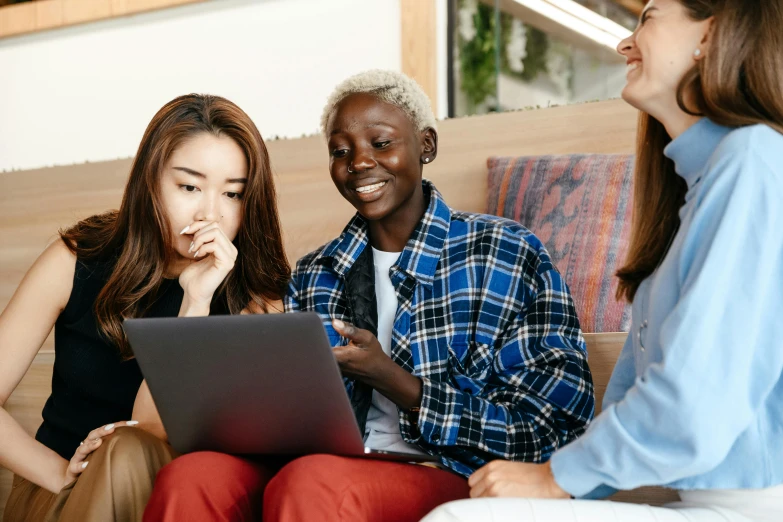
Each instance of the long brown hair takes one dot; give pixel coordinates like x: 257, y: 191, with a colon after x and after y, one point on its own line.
x: 738, y: 83
x: 137, y: 238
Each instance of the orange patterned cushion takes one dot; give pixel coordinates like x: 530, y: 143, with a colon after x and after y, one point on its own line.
x: 580, y: 207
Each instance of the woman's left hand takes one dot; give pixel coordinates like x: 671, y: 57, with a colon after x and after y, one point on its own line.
x: 502, y: 478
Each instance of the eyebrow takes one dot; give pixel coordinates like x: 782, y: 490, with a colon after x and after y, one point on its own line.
x: 200, y: 175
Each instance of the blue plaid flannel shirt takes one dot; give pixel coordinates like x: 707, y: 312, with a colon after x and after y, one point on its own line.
x: 487, y: 323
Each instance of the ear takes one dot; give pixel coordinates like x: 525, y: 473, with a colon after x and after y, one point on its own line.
x: 429, y: 145
x: 706, y: 39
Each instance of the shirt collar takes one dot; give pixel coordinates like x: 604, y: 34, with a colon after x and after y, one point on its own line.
x: 420, y: 257
x: 691, y: 150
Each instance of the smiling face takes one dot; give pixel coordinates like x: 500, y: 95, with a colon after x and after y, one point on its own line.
x: 376, y: 156
x: 666, y: 45
x: 203, y: 180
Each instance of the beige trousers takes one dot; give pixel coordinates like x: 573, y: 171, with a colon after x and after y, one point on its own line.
x: 115, y: 486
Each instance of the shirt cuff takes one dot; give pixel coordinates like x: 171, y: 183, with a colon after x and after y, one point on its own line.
x: 574, y: 472
x: 440, y: 413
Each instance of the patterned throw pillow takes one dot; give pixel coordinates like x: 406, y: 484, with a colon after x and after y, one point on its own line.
x: 580, y: 206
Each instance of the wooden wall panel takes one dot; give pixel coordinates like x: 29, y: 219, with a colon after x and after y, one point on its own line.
x: 419, y: 44
x: 42, y: 15
x: 48, y: 15
x: 17, y: 19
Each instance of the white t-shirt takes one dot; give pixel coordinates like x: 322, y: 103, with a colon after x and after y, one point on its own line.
x: 383, y: 425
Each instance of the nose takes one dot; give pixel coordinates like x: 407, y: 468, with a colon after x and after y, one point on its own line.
x: 362, y: 160
x: 209, y: 209
x: 626, y: 45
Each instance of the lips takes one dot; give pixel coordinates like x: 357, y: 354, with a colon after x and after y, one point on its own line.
x: 632, y: 66
x: 369, y: 189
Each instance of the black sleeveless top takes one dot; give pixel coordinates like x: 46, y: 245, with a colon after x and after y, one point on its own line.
x: 91, y: 384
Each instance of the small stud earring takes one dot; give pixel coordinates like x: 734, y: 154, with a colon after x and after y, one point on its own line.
x: 426, y: 160
x: 697, y: 52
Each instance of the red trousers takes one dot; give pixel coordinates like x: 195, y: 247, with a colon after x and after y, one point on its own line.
x: 209, y: 486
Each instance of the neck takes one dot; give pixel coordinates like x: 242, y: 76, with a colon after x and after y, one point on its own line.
x: 391, y: 233
x: 676, y: 126
x: 673, y: 118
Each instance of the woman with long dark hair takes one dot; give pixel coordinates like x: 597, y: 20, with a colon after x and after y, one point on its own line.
x: 695, y: 402
x: 197, y: 233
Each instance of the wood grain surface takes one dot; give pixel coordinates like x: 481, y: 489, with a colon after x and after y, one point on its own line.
x: 42, y: 15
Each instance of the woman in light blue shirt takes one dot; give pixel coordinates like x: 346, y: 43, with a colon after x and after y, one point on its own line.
x: 695, y: 402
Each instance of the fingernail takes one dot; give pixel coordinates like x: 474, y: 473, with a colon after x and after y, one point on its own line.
x: 84, y: 465
x: 196, y: 254
x: 185, y: 229
x: 132, y: 423
x: 108, y: 427
x: 191, y: 246
x: 338, y: 323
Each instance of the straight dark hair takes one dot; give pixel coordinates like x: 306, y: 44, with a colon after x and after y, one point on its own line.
x: 137, y: 237
x: 738, y: 83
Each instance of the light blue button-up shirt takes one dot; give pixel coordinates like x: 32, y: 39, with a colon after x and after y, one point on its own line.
x: 696, y: 398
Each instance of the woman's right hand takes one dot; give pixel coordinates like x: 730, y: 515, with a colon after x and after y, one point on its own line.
x: 214, y: 256
x: 93, y: 441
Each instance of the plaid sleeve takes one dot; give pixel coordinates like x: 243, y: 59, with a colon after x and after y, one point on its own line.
x: 538, y: 395
x: 300, y: 277
x: 291, y: 299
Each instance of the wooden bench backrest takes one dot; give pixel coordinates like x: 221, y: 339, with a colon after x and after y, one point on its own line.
x: 35, y: 203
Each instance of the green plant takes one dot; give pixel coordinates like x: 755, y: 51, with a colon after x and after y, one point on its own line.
x: 477, y: 55
x: 537, y: 47
x: 477, y: 58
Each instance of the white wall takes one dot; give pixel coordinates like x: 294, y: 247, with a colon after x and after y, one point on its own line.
x: 86, y: 93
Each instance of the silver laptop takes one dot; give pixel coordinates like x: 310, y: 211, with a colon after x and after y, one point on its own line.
x: 249, y: 385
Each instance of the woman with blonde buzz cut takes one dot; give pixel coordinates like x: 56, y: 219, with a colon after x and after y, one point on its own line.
x: 456, y: 335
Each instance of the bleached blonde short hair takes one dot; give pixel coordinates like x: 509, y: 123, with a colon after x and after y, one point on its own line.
x: 391, y: 87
